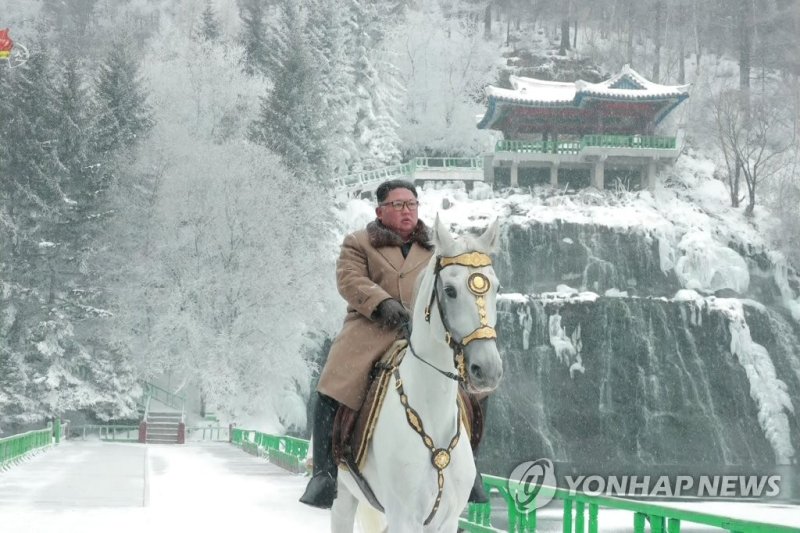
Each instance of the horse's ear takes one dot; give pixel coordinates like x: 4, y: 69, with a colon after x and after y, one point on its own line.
x: 442, y: 239
x: 490, y: 240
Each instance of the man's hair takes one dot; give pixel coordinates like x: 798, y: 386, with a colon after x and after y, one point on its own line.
x: 387, y: 186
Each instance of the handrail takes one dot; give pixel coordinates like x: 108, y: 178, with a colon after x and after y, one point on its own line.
x: 211, y: 433
x: 153, y: 391
x: 287, y: 452
x: 408, y: 170
x: 575, y: 147
x: 14, y: 447
x: 661, y: 518
x: 107, y: 432
x: 291, y: 452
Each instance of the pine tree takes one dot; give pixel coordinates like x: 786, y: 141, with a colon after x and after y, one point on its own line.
x: 291, y: 122
x: 253, y: 36
x: 30, y: 171
x: 375, y: 127
x: 122, y: 111
x: 329, y: 27
x: 209, y: 26
x: 73, y: 130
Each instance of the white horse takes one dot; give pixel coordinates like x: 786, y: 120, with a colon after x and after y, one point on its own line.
x: 454, y: 313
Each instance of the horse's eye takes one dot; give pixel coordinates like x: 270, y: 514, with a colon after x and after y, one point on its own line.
x: 450, y: 291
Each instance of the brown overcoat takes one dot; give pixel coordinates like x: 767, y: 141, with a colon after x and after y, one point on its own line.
x: 370, y: 269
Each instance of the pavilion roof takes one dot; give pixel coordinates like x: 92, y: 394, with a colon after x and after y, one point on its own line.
x: 627, y: 86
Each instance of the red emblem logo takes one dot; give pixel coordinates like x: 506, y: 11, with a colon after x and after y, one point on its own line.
x: 6, y: 44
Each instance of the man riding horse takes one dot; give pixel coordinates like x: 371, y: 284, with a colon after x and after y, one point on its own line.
x: 376, y: 274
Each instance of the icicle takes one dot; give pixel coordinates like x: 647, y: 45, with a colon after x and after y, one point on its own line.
x: 767, y: 391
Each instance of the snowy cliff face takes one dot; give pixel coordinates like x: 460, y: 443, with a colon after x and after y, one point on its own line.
x: 645, y: 381
x: 637, y: 328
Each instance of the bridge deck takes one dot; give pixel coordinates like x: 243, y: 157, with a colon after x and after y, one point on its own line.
x: 93, y: 487
x: 100, y: 487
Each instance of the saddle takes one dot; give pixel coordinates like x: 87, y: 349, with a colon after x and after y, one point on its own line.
x: 352, y: 430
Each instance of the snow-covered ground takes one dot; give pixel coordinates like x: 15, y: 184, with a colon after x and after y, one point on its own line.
x: 87, y: 487
x: 92, y: 487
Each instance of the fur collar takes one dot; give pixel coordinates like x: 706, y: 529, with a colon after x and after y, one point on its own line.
x: 380, y: 235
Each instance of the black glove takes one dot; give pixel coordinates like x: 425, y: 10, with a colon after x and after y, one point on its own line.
x: 391, y: 314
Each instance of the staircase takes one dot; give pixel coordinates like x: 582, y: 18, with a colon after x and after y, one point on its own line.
x: 162, y: 428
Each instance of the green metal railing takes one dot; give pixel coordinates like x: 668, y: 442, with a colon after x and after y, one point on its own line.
x: 630, y: 141
x: 581, y: 513
x: 448, y: 162
x: 407, y: 170
x: 575, y: 147
x: 152, y: 391
x: 287, y: 452
x: 404, y: 170
x: 107, y: 432
x: 15, y: 447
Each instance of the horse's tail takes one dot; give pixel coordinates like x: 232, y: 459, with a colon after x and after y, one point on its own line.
x: 370, y: 519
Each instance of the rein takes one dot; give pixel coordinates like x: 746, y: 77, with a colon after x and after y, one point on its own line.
x: 478, y: 285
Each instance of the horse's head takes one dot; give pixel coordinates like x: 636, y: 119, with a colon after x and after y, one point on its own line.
x: 464, y: 297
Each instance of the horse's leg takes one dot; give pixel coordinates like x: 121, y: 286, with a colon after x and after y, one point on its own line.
x: 450, y: 526
x: 397, y: 522
x: 343, y: 511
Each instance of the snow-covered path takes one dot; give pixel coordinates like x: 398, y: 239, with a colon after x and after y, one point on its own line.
x: 96, y: 487
x: 88, y: 487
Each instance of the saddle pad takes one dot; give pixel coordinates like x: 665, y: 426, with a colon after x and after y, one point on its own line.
x: 352, y: 430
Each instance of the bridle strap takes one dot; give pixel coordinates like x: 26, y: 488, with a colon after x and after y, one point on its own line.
x: 471, y: 260
x: 454, y: 377
x: 440, y: 457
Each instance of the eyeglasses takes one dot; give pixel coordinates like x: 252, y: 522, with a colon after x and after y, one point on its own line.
x: 398, y: 205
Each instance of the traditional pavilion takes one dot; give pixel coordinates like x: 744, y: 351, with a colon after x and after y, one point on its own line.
x: 582, y: 128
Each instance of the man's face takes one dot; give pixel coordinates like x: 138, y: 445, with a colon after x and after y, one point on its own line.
x: 402, y: 222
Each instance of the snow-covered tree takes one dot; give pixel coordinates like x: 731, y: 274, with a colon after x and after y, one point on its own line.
x: 209, y: 25
x: 375, y: 90
x: 291, y: 121
x: 253, y: 36
x: 223, y: 296
x: 444, y: 64
x: 329, y: 29
x: 121, y: 108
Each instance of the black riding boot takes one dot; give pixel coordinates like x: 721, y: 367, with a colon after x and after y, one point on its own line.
x: 478, y: 494
x: 321, y: 489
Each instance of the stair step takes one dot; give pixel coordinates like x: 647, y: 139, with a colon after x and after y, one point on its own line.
x: 162, y: 431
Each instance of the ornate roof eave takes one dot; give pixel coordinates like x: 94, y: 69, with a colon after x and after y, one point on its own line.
x: 554, y: 94
x: 494, y: 102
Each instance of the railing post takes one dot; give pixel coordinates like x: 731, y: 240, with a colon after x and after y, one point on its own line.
x: 567, y: 515
x: 579, y: 509
x: 638, y: 523
x: 182, y: 433
x: 142, y: 432
x: 673, y: 525
x: 592, y: 518
x: 57, y: 429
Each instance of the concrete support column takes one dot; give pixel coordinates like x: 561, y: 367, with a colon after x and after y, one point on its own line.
x: 598, y: 174
x: 488, y: 169
x: 651, y: 174
x: 514, y: 174
x: 554, y: 176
